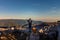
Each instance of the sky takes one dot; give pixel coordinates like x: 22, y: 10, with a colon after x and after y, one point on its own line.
x: 44, y: 10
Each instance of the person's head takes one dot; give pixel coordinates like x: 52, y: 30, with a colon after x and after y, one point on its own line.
x: 34, y: 29
x: 29, y: 18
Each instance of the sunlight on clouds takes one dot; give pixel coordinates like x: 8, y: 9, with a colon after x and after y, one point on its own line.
x: 50, y: 19
x: 51, y: 15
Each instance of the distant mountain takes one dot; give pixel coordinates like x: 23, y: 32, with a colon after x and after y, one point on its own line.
x: 18, y: 21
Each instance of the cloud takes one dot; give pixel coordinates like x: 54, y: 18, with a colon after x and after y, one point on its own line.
x: 1, y: 7
x: 36, y: 4
x: 51, y: 15
x: 54, y: 7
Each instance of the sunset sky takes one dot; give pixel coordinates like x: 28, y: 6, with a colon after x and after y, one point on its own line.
x: 45, y: 10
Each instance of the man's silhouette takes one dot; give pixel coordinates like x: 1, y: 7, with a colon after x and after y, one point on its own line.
x: 30, y: 24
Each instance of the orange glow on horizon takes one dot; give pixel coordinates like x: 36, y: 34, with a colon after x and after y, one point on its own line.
x: 49, y: 19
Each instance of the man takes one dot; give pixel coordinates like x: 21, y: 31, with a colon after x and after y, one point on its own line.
x: 34, y: 35
x: 30, y: 24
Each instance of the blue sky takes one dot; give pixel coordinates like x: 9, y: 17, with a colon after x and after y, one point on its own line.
x: 45, y: 10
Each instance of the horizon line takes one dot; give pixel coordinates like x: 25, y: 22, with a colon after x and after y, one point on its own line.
x: 27, y: 19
